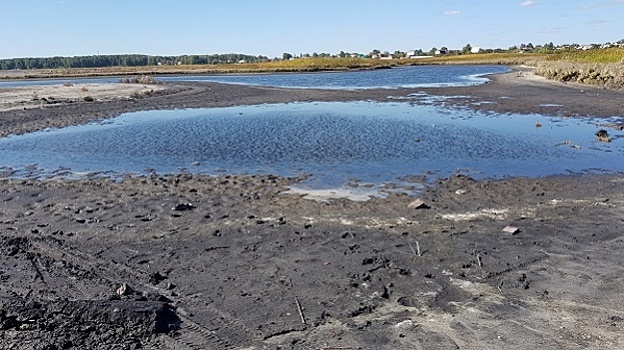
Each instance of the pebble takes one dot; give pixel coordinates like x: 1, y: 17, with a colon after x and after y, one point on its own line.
x: 418, y: 204
x: 183, y: 207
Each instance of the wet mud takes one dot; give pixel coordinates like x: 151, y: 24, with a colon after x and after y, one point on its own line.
x: 238, y: 262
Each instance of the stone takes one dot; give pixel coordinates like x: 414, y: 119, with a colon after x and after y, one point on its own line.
x: 124, y: 289
x: 183, y: 207
x: 603, y: 136
x: 512, y: 230
x: 417, y: 204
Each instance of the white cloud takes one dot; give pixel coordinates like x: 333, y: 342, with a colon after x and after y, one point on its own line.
x: 528, y: 3
x: 452, y: 13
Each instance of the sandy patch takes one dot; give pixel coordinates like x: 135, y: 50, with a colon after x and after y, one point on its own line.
x: 336, y: 193
x: 50, y: 95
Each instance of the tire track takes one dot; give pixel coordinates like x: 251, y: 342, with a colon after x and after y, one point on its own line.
x: 216, y: 330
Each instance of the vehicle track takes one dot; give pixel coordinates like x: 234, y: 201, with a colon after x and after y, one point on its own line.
x: 215, y: 330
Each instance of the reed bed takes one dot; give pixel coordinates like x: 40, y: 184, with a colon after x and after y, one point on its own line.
x: 602, y: 67
x: 508, y: 59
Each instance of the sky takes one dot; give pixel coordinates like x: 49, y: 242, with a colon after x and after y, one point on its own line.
x: 42, y: 28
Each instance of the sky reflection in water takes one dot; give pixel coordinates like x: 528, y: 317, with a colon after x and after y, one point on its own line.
x: 333, y: 141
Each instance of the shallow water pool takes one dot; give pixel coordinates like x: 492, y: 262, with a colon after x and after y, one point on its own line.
x: 335, y: 142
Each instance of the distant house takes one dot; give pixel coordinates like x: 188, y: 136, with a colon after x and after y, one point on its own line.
x: 414, y: 54
x: 441, y: 51
x: 475, y: 50
x: 526, y: 48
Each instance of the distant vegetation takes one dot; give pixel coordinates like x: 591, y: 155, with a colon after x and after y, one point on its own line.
x: 100, y: 61
x: 601, y: 64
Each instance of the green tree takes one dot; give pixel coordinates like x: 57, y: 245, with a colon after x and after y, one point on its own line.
x: 399, y: 54
x: 467, y: 49
x: 286, y: 56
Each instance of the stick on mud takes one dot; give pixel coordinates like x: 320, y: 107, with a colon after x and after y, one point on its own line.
x: 411, y: 248
x: 301, y: 315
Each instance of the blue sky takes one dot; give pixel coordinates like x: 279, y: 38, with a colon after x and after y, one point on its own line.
x: 37, y: 28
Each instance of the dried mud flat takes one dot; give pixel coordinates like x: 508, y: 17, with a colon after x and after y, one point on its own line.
x: 234, y: 262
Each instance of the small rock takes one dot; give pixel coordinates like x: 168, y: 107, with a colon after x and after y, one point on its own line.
x: 404, y: 324
x: 511, y: 230
x: 461, y: 191
x: 124, y: 289
x: 417, y: 204
x: 603, y: 136
x: 183, y: 207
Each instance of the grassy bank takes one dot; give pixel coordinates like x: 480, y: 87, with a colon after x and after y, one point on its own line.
x: 603, y: 67
x: 296, y: 65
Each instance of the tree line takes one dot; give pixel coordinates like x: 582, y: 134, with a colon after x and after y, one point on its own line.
x: 99, y: 61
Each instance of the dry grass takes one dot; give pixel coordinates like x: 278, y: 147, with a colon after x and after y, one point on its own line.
x: 611, y: 55
x: 510, y: 59
x: 610, y: 75
x: 603, y: 67
x: 296, y: 65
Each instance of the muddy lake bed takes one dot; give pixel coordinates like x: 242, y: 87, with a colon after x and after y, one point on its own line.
x: 513, y: 241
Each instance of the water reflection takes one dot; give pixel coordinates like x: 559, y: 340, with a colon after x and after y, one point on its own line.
x: 336, y: 142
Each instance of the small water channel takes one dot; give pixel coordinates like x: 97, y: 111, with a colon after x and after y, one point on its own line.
x: 335, y: 142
